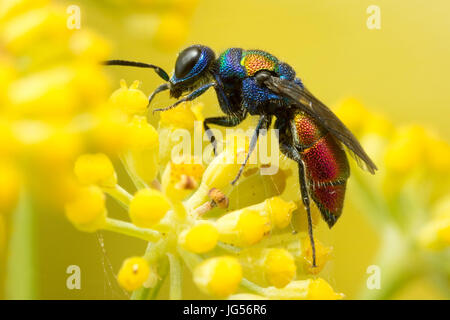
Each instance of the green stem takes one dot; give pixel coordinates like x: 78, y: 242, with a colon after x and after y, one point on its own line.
x: 120, y: 194
x: 175, y: 277
x: 252, y: 286
x: 130, y: 229
x: 127, y: 163
x: 21, y: 267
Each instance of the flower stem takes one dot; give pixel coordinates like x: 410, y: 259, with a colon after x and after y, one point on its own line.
x: 130, y: 229
x: 127, y: 163
x: 175, y: 277
x: 119, y: 194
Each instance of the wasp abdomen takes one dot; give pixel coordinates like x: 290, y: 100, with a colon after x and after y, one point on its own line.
x: 326, y: 164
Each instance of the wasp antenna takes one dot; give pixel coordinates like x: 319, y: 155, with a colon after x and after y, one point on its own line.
x: 159, y: 71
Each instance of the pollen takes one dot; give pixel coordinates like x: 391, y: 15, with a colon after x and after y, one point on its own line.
x: 87, y: 210
x: 133, y: 273
x: 200, y: 238
x: 147, y: 207
x: 95, y: 169
x: 218, y: 276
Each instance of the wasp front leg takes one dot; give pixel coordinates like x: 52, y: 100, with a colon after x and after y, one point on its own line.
x: 193, y: 95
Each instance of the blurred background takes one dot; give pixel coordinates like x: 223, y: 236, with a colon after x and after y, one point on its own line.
x: 398, y: 71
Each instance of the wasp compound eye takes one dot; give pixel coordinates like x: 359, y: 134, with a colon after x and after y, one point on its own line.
x: 186, y: 61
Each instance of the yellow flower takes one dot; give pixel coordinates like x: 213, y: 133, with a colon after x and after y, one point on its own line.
x: 435, y: 235
x: 322, y: 255
x: 133, y: 273
x: 438, y: 155
x: 352, y: 112
x: 183, y: 116
x: 148, y: 207
x: 131, y: 100
x: 405, y: 153
x: 312, y: 289
x: 279, y: 266
x: 243, y: 227
x: 280, y: 211
x: 246, y: 296
x: 218, y: 276
x: 95, y: 169
x: 87, y: 211
x: 143, y: 155
x: 180, y: 179
x: 319, y: 289
x: 200, y: 238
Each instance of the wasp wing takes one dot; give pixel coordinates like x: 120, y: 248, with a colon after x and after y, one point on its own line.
x: 305, y: 100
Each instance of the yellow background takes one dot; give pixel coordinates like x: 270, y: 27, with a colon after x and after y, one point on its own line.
x: 401, y: 70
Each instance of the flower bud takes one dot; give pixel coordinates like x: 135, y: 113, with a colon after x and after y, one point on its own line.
x: 243, y: 227
x: 200, y: 238
x: 133, y: 273
x: 131, y: 100
x: 144, y: 149
x: 279, y: 267
x: 219, y: 276
x: 87, y: 210
x: 148, y: 207
x: 95, y: 169
x: 279, y: 211
x: 311, y: 289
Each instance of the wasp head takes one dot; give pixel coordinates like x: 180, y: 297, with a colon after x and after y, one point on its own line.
x: 192, y: 69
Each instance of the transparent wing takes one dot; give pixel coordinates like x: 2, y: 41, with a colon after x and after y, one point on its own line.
x: 303, y: 99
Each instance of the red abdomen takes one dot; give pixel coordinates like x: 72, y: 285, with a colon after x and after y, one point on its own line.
x: 327, y: 168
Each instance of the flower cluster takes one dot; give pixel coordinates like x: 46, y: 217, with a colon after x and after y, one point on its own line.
x: 191, y: 217
x: 408, y: 200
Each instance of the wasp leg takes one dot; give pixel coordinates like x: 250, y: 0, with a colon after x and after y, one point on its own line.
x: 263, y: 123
x: 193, y: 95
x: 292, y: 152
x: 161, y: 88
x: 226, y: 121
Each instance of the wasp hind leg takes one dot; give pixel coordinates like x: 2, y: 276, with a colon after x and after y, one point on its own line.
x: 292, y: 153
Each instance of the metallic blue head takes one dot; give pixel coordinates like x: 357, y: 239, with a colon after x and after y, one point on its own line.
x: 191, y: 66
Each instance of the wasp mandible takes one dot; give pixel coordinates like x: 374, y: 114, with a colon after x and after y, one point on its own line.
x: 257, y: 83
